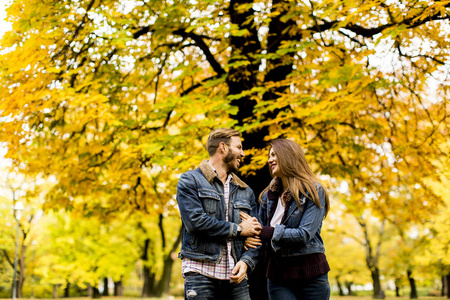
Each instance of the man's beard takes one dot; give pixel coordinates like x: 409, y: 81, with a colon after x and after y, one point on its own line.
x: 229, y: 160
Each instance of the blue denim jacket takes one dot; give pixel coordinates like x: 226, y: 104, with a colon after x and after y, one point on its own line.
x: 200, y: 196
x: 299, y: 233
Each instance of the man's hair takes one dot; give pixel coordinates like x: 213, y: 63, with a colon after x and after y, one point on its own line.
x: 218, y: 136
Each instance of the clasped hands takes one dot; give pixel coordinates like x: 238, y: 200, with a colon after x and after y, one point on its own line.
x: 253, y: 230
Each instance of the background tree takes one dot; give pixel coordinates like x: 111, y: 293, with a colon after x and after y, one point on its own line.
x: 436, y: 253
x: 19, y: 226
x: 82, y: 251
x: 345, y: 255
x: 95, y: 93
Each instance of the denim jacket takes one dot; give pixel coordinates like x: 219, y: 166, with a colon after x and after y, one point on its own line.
x: 299, y: 232
x: 200, y: 197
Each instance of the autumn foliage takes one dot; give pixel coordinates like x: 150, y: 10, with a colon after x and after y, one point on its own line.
x: 112, y: 100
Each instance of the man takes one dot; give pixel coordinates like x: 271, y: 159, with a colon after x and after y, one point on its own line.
x: 210, y: 198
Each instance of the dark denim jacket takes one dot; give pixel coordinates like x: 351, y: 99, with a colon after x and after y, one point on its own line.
x: 202, y: 208
x: 299, y: 233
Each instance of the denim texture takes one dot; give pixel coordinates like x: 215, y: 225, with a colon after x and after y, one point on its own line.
x: 317, y: 288
x: 199, y: 287
x: 299, y: 233
x: 200, y: 197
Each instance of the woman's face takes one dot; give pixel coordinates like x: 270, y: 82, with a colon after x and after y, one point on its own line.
x: 273, y: 163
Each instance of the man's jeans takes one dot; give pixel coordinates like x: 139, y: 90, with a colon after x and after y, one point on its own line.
x: 300, y: 289
x: 197, y: 286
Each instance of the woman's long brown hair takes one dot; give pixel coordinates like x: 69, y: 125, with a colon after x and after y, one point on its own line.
x: 301, y: 179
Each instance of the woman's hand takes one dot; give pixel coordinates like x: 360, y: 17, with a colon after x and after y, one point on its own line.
x: 244, y: 216
x: 252, y: 242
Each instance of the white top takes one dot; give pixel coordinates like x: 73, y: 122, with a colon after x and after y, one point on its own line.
x: 278, y: 215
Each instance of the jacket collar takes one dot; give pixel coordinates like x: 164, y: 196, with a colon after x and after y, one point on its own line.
x: 276, y: 186
x: 209, y: 173
x: 276, y: 190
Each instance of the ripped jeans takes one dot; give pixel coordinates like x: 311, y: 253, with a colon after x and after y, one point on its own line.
x: 200, y: 287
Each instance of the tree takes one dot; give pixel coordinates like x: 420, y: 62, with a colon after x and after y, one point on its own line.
x: 81, y: 251
x: 344, y: 254
x: 117, y: 72
x: 107, y: 90
x: 19, y: 230
x: 436, y: 253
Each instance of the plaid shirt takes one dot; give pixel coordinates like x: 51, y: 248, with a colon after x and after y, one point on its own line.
x: 222, y: 269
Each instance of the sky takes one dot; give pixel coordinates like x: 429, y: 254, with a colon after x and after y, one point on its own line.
x: 4, y: 26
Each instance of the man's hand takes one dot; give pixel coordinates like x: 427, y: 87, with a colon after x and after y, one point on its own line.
x: 250, y: 226
x: 239, y: 272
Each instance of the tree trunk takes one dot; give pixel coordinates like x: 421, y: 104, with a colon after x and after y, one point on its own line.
x: 341, y: 291
x: 118, y: 287
x: 14, y: 286
x: 67, y: 290
x: 95, y: 293
x: 412, y: 284
x: 89, y: 290
x: 148, y: 290
x: 378, y: 292
x: 105, y: 287
x: 164, y: 283
x: 397, y: 283
x: 348, y: 285
x: 447, y: 279
x: 372, y: 257
x: 20, y: 284
x: 55, y: 291
x: 443, y: 282
x: 21, y: 271
x: 397, y: 291
x: 245, y: 47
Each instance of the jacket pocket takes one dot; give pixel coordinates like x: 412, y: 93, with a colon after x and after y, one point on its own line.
x: 210, y: 200
x: 190, y: 242
x: 242, y: 205
x: 293, y: 219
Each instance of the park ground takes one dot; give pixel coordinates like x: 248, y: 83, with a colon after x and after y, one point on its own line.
x: 180, y: 298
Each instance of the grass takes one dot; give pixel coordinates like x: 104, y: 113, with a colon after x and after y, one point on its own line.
x: 387, y: 298
x: 180, y: 298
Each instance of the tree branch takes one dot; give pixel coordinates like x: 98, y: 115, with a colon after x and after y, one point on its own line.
x: 7, y: 258
x: 202, y: 45
x: 411, y: 22
x: 199, y: 42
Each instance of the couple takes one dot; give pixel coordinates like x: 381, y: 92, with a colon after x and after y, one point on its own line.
x: 224, y: 231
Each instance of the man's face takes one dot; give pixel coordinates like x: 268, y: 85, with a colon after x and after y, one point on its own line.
x: 234, y: 155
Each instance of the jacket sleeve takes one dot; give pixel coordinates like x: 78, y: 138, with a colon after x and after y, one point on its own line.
x: 250, y: 256
x: 193, y: 215
x: 267, y: 231
x: 310, y: 223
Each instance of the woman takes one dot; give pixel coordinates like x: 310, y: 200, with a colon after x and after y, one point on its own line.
x: 292, y: 208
